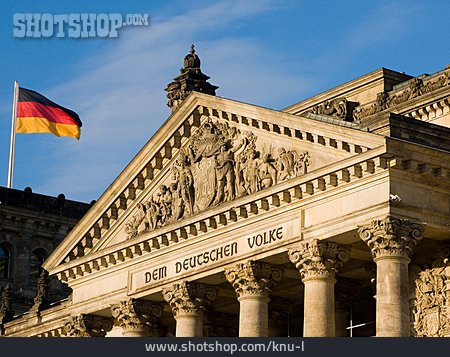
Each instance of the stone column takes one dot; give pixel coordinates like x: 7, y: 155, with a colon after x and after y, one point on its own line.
x: 318, y: 261
x: 88, y: 326
x: 392, y: 241
x: 253, y: 283
x: 189, y: 301
x: 137, y: 318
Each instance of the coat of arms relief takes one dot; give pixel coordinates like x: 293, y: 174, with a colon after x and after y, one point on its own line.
x: 430, y: 309
x: 220, y: 163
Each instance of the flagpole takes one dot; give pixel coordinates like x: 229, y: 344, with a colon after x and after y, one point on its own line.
x: 13, y: 134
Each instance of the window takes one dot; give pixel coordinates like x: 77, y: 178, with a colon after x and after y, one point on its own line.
x: 5, y: 261
x: 36, y: 260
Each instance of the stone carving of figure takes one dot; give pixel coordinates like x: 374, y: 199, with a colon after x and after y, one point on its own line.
x: 141, y: 222
x: 225, y: 175
x: 285, y: 164
x: 304, y: 162
x: 42, y: 290
x: 6, y: 313
x: 152, y: 213
x: 159, y: 208
x: 185, y: 182
x: 177, y: 202
x: 251, y: 171
x: 267, y: 172
x: 219, y: 164
x: 138, y: 222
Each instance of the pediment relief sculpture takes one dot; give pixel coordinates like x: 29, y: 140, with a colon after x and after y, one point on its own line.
x: 416, y: 87
x: 219, y: 164
x: 339, y: 108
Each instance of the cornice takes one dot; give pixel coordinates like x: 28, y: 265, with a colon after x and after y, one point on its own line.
x: 164, y: 145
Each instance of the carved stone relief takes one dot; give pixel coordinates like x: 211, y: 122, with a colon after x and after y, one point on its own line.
x: 6, y: 312
x: 339, y: 108
x: 88, y: 326
x: 138, y: 315
x: 431, y: 306
x: 219, y: 164
x: 318, y: 259
x: 253, y: 278
x: 189, y: 298
x: 416, y: 88
x: 391, y: 236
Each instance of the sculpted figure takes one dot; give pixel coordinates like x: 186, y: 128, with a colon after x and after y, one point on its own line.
x: 153, y: 213
x: 415, y: 88
x: 177, y: 202
x: 251, y: 171
x: 163, y: 201
x: 225, y: 175
x: 185, y: 181
x: 285, y: 164
x: 138, y: 222
x: 303, y: 163
x: 267, y: 172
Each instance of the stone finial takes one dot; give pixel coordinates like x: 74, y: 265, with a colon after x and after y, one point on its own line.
x: 189, y: 298
x: 40, y: 300
x: 192, y: 60
x: 318, y: 259
x: 137, y: 315
x: 191, y: 79
x: 253, y: 278
x: 88, y: 326
x: 391, y: 237
x: 6, y: 312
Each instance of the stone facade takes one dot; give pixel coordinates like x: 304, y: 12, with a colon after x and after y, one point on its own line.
x: 328, y: 218
x: 31, y: 227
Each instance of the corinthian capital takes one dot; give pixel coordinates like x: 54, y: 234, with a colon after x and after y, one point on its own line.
x: 187, y: 298
x: 318, y: 259
x: 253, y: 278
x: 88, y: 326
x: 391, y: 237
x: 137, y: 315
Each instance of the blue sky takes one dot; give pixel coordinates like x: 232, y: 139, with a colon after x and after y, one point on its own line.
x: 269, y: 53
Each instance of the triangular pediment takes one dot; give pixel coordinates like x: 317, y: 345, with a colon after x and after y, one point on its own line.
x: 210, y: 152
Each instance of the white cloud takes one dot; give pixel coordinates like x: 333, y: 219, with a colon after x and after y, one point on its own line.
x: 119, y: 93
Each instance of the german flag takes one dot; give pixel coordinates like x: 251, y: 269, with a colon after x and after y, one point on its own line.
x: 37, y: 114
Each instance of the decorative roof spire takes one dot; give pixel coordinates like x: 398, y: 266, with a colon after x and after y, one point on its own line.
x: 191, y: 79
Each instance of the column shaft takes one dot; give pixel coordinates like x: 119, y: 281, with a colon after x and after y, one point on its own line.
x: 253, y: 282
x: 392, y: 299
x: 319, y: 319
x: 189, y: 301
x: 253, y: 316
x: 189, y: 325
x: 392, y: 241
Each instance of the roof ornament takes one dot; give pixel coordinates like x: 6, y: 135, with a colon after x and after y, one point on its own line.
x: 191, y: 79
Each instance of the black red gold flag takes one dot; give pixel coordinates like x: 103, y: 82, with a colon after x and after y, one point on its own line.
x: 38, y: 114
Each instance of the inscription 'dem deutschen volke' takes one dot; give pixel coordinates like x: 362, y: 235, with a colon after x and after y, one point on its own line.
x: 215, y: 254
